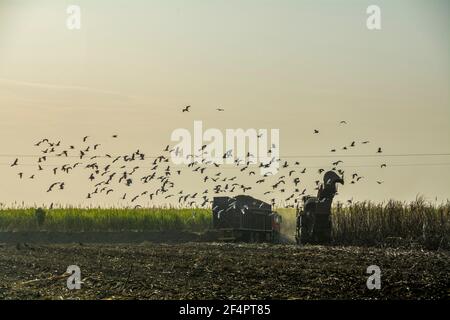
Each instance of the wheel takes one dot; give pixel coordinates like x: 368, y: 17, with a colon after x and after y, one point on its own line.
x: 322, y: 229
x: 298, y: 232
x: 275, y: 237
x: 305, y: 227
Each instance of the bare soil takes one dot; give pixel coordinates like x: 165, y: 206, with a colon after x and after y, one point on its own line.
x: 220, y: 271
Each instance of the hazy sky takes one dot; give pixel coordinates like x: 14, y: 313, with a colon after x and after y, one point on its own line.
x: 291, y: 65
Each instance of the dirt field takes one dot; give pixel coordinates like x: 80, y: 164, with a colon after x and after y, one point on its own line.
x: 222, y: 271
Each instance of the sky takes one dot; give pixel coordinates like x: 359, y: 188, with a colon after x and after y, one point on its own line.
x: 294, y: 66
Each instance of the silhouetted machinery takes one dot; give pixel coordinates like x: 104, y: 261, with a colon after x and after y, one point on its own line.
x: 244, y: 218
x: 314, y: 219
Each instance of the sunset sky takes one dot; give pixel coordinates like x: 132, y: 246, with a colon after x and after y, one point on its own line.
x: 295, y: 66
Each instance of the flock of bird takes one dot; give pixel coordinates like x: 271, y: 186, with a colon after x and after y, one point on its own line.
x: 159, y: 177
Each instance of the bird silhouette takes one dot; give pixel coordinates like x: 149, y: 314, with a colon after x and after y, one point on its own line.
x: 15, y: 163
x: 106, y: 171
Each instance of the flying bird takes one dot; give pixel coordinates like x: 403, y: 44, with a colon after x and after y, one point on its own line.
x: 15, y: 163
x: 186, y: 109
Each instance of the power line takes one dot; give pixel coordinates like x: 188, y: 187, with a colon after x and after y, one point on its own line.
x: 235, y: 167
x: 372, y: 155
x: 287, y: 156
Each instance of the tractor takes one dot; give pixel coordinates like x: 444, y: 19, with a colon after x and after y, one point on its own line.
x: 314, y: 219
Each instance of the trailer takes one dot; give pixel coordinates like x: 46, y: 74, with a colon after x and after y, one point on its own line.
x: 244, y: 218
